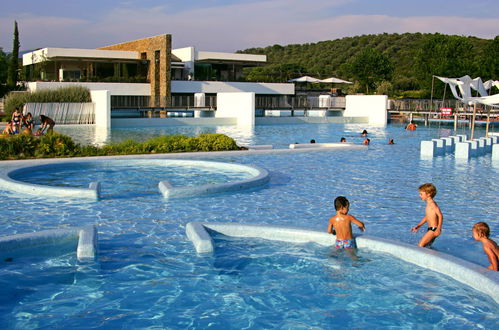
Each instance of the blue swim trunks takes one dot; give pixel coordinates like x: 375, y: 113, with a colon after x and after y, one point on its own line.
x: 345, y: 244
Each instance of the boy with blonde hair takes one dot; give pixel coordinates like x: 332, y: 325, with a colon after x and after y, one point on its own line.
x: 433, y: 215
x: 481, y: 232
x: 341, y: 224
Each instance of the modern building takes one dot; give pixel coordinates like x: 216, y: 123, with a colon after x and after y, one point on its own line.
x: 147, y: 78
x: 179, y: 73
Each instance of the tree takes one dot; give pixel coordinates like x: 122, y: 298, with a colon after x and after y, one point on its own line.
x: 489, y: 65
x: 3, y: 67
x: 369, y: 67
x: 14, y: 61
x: 447, y: 56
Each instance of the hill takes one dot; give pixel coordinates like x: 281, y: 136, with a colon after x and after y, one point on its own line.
x: 409, y: 61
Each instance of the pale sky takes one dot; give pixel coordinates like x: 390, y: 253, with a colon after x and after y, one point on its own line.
x: 230, y: 25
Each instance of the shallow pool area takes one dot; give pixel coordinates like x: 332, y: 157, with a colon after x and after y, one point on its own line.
x: 148, y: 274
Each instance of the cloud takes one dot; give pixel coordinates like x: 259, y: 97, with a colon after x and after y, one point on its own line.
x: 232, y: 27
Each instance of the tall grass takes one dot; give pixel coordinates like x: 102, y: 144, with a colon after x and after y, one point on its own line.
x: 72, y: 94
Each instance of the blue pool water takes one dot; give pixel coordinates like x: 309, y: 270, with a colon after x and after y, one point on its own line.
x: 124, y: 179
x: 148, y: 274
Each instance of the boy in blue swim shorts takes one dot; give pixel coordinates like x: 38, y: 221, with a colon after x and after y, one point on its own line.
x: 341, y: 224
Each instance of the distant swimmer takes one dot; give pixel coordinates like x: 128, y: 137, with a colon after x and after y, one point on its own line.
x: 366, y: 141
x: 390, y: 141
x: 411, y: 126
x: 364, y: 133
x: 343, y: 139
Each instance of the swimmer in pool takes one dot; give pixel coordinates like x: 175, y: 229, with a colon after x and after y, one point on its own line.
x: 433, y: 215
x: 341, y: 224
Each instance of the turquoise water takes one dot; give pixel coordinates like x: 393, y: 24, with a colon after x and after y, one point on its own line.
x: 126, y: 179
x: 148, y: 274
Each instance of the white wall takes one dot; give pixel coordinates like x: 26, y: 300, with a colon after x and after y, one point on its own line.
x: 40, y: 55
x: 187, y: 55
x: 102, y: 108
x: 143, y: 89
x: 371, y: 106
x: 202, y: 55
x: 177, y: 86
x: 184, y: 86
x: 239, y: 105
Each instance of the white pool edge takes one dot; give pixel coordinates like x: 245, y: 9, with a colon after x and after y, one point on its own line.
x: 8, y: 183
x: 86, y: 237
x: 260, y: 177
x: 475, y: 276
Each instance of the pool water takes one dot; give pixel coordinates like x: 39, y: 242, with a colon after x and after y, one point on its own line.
x: 148, y: 274
x: 129, y: 178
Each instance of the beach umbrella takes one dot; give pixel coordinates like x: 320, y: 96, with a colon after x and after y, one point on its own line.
x: 305, y: 79
x: 335, y: 81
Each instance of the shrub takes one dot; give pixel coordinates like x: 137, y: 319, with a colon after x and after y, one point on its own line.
x: 59, y: 145
x: 215, y: 142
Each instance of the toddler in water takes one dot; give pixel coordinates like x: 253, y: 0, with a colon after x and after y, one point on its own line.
x: 481, y: 232
x: 341, y: 224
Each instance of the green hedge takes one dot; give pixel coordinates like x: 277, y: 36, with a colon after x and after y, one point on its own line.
x: 51, y: 145
x: 72, y: 94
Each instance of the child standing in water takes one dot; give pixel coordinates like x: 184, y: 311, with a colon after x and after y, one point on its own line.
x: 433, y: 215
x: 481, y: 232
x: 341, y: 224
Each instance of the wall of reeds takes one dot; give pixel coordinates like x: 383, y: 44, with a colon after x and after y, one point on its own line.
x: 73, y: 94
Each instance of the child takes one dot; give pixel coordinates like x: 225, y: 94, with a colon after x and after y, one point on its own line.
x: 8, y: 128
x: 433, y: 215
x: 46, y: 122
x: 481, y: 232
x: 342, y: 223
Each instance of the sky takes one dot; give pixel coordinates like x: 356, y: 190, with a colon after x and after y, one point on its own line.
x: 230, y: 25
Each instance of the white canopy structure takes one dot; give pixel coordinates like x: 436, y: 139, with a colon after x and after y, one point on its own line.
x: 461, y: 89
x: 305, y: 79
x: 335, y: 81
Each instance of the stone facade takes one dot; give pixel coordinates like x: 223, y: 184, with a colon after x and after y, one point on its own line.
x: 157, y: 50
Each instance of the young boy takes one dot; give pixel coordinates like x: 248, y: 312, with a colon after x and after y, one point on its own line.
x: 342, y: 224
x: 481, y: 232
x: 433, y: 215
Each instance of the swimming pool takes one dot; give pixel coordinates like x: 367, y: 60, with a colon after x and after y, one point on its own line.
x: 149, y: 275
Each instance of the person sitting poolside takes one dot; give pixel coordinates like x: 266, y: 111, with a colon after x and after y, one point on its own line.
x: 8, y: 128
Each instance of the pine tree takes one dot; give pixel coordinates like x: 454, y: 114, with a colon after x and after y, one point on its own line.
x: 14, y: 64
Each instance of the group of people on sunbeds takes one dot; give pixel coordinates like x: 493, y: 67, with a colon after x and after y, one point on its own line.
x: 26, y: 124
x: 340, y: 225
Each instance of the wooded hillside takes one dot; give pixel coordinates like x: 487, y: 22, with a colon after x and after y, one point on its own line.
x: 396, y: 64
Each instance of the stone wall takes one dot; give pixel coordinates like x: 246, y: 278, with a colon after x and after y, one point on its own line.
x: 159, y: 73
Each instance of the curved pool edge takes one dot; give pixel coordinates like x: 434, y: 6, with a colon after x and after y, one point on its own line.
x: 86, y: 237
x: 188, y: 155
x: 473, y: 275
x: 8, y: 183
x: 261, y: 176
